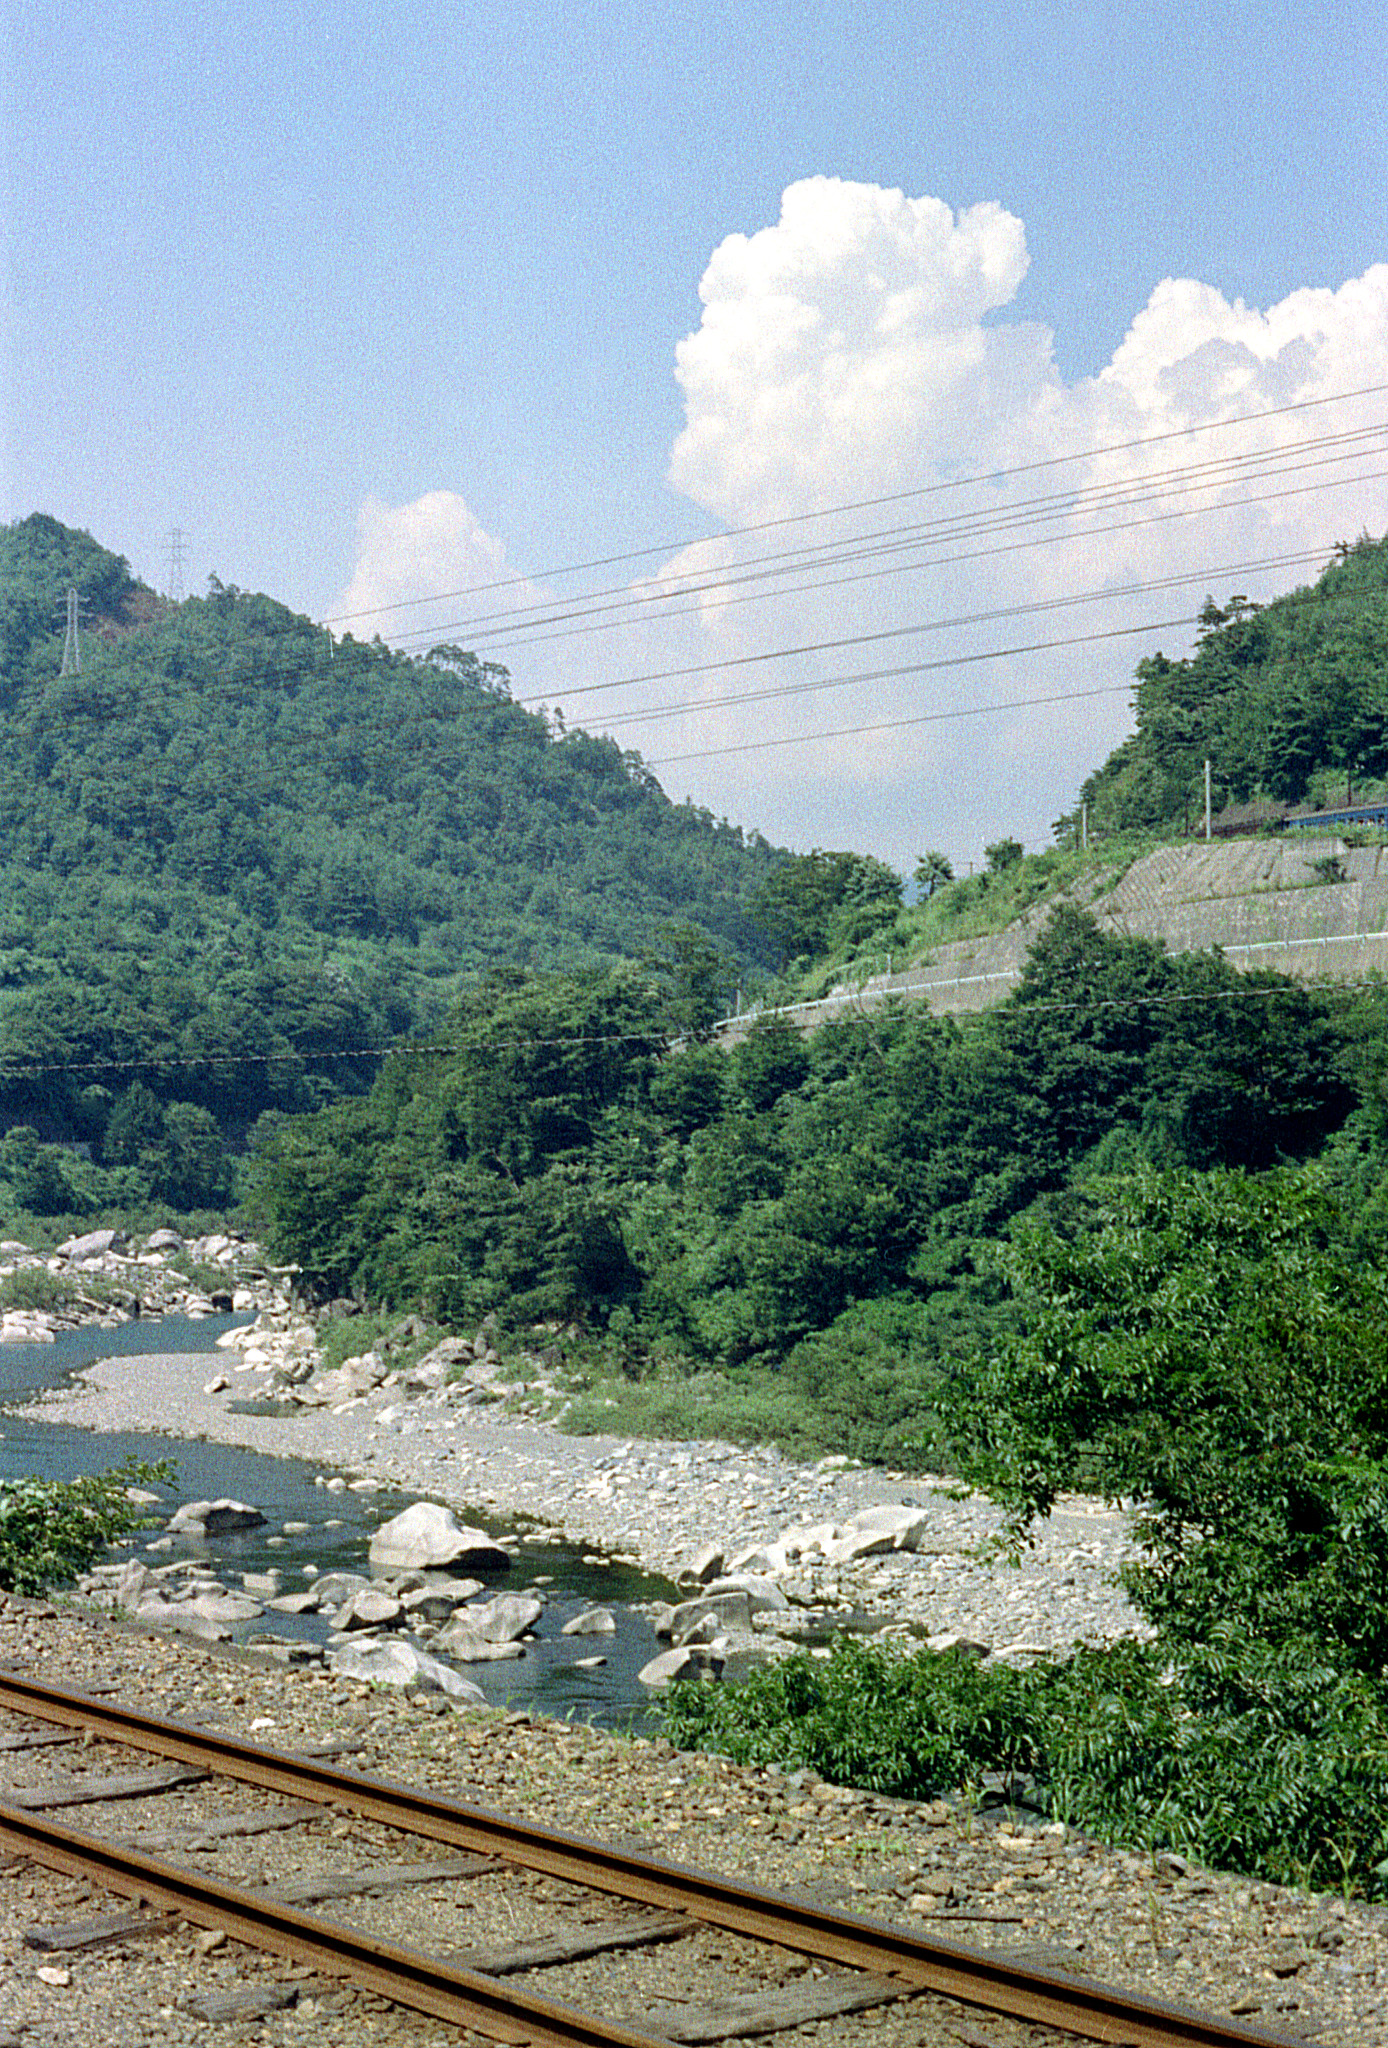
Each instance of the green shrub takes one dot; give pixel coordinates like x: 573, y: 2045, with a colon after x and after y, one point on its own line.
x: 51, y: 1529
x: 34, y: 1287
x: 1206, y: 1349
x: 1242, y: 1755
x: 199, y: 1273
x: 905, y: 1726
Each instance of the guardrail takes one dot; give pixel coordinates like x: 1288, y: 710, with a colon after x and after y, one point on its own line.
x: 880, y: 990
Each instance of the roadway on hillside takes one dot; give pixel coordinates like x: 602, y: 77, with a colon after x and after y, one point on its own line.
x: 1267, y: 903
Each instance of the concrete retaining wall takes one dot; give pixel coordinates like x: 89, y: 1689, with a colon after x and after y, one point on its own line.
x: 1261, y: 901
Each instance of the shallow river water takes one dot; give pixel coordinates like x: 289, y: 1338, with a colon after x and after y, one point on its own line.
x: 546, y: 1679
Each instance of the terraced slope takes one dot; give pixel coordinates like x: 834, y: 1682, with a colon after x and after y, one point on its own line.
x: 1268, y: 903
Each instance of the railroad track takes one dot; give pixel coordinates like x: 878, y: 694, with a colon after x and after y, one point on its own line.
x: 807, y: 1964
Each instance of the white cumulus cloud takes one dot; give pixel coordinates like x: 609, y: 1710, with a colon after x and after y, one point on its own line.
x: 861, y: 347
x: 846, y: 343
x: 419, y: 564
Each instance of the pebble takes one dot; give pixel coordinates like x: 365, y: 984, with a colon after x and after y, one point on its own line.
x: 978, y: 1873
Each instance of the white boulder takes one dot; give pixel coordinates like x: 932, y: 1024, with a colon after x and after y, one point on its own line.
x: 393, y: 1660
x: 369, y: 1607
x: 214, y: 1518
x: 506, y: 1618
x: 667, y: 1667
x: 594, y: 1621
x: 426, y: 1534
x: 93, y: 1245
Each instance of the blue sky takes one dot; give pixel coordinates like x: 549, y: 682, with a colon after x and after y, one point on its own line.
x: 277, y: 279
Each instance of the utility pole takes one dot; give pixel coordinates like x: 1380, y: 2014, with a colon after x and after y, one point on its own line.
x: 72, y: 646
x: 176, y: 541
x: 1208, y: 817
x: 1084, y: 828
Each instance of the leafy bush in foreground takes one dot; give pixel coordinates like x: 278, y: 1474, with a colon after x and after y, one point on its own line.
x: 51, y: 1529
x: 1208, y: 1350
x: 1240, y: 1755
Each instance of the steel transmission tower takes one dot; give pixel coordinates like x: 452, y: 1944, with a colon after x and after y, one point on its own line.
x: 176, y: 541
x: 72, y: 646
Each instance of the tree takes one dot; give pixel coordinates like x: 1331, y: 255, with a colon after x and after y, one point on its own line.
x: 1002, y: 855
x: 1203, y: 1347
x: 814, y: 899
x: 698, y: 978
x: 932, y: 872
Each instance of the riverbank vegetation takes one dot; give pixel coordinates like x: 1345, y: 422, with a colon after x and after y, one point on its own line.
x: 52, y: 1529
x: 805, y: 1229
x: 1124, y: 1232
x: 1209, y: 1346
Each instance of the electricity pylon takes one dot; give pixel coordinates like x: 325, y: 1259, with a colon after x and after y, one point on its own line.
x: 72, y: 646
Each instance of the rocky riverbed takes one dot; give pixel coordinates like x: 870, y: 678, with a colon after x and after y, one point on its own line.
x: 775, y: 1551
x: 105, y: 1277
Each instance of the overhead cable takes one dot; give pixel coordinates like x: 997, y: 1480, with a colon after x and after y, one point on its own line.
x: 993, y: 476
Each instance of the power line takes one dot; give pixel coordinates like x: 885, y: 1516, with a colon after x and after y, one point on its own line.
x: 659, y: 1041
x: 930, y: 625
x: 993, y: 476
x: 153, y: 782
x: 923, y: 626
x: 843, y: 732
x: 672, y: 608
x: 529, y: 619
x: 841, y: 642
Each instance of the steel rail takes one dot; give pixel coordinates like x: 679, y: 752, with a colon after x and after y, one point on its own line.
x: 424, y: 1983
x: 976, y: 1977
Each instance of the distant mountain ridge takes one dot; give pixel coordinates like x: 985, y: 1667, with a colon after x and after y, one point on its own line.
x: 231, y: 834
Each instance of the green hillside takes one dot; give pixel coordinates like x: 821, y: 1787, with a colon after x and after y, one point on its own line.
x: 1285, y: 700
x: 230, y: 834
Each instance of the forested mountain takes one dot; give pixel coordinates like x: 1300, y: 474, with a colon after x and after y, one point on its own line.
x: 230, y: 834
x: 1278, y: 697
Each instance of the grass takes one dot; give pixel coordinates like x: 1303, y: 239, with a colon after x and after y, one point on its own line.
x: 978, y: 906
x: 753, y: 1405
x: 199, y: 1273
x: 35, y: 1288
x: 344, y: 1337
x: 682, y: 1406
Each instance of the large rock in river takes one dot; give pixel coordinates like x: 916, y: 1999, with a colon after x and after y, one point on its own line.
x: 428, y: 1535
x: 393, y: 1661
x: 214, y: 1518
x: 506, y: 1618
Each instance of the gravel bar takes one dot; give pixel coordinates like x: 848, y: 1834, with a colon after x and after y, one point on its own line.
x: 657, y: 1503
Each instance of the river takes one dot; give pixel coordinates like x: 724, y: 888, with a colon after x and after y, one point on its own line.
x: 546, y: 1680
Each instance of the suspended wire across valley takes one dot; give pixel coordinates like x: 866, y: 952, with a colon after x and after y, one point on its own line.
x: 660, y: 1043
x: 982, y: 477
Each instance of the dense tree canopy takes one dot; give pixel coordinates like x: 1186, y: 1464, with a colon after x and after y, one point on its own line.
x: 1273, y: 696
x: 564, y: 1159
x: 1205, y: 1346
x: 235, y: 852
x: 817, y: 901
